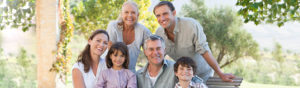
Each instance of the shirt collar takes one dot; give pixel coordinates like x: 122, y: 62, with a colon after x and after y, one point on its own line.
x: 144, y: 70
x: 176, y: 28
x: 190, y: 85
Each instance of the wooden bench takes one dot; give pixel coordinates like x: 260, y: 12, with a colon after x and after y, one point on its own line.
x: 216, y: 82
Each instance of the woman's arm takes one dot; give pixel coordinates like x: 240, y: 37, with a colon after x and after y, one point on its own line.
x: 77, y: 79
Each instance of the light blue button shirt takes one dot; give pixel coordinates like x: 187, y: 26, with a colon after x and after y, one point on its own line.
x: 165, y: 78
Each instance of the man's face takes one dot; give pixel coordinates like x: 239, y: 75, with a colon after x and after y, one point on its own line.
x: 165, y: 16
x: 154, y: 52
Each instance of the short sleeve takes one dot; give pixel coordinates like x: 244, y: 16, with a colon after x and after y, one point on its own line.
x: 111, y: 30
x: 199, y: 40
x: 79, y: 66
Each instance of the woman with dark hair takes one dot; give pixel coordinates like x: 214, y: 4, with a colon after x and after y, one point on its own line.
x: 89, y: 64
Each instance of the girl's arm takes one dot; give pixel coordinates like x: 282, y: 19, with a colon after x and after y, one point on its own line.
x: 101, y: 81
x: 132, y: 81
x: 77, y: 78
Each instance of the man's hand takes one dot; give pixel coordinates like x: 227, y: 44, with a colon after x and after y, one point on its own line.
x: 227, y: 77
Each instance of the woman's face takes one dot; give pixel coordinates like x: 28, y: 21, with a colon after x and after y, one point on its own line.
x: 129, y: 14
x: 117, y: 58
x: 98, y: 44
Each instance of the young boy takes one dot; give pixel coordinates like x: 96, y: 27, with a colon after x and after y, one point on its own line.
x: 184, y: 69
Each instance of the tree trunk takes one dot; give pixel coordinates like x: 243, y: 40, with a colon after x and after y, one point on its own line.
x: 221, y: 55
x: 228, y: 62
x: 46, y: 28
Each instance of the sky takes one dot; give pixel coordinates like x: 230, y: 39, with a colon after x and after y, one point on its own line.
x: 265, y: 34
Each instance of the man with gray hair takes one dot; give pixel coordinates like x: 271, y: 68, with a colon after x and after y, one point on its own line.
x: 158, y: 72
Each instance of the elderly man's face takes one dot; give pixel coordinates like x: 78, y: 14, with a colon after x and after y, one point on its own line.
x: 154, y: 52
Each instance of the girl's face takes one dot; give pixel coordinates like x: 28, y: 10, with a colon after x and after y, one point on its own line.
x: 184, y: 73
x: 98, y: 44
x: 117, y: 58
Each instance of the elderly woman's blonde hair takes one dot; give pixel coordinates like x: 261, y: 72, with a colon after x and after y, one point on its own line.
x: 120, y: 20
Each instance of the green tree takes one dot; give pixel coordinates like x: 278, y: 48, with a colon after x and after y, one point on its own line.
x: 224, y: 34
x: 277, y: 53
x: 17, y: 14
x: 18, y: 71
x: 269, y: 11
x: 90, y: 15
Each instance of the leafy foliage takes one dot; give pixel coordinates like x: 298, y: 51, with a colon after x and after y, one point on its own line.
x: 17, y: 14
x: 18, y: 71
x: 269, y: 11
x: 267, y: 70
x: 224, y: 34
x: 277, y: 53
x: 63, y: 54
x: 90, y: 15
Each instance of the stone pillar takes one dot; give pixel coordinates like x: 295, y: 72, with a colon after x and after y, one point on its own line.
x: 46, y: 33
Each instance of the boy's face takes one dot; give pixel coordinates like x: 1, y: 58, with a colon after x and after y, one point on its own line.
x: 184, y: 73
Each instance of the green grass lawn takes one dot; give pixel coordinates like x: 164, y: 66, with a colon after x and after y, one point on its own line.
x: 246, y: 84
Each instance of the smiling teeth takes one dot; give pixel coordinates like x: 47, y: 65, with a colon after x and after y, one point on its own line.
x: 99, y: 49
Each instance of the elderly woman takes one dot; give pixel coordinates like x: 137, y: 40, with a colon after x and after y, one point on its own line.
x: 126, y: 29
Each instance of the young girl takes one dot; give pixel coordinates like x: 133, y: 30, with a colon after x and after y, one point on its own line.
x: 117, y: 75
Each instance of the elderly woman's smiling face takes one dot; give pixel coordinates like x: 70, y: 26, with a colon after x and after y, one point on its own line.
x: 129, y: 14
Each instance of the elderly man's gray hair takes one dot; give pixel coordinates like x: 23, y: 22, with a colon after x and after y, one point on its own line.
x: 153, y: 38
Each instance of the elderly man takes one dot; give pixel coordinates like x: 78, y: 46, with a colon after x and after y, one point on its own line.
x: 159, y: 72
x: 185, y: 37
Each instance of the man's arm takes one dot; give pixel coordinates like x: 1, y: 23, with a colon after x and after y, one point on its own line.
x: 201, y: 46
x: 227, y: 77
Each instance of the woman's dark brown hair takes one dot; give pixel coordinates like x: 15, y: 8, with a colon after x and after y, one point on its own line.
x: 85, y: 56
x: 185, y: 62
x: 118, y: 46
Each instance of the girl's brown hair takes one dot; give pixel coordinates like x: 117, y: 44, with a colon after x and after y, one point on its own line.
x: 118, y: 46
x: 85, y: 56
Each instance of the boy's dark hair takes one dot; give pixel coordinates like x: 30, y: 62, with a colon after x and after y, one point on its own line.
x: 185, y: 62
x: 118, y: 46
x: 169, y: 4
